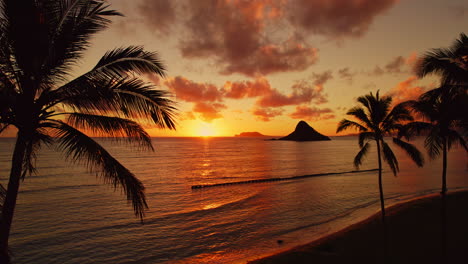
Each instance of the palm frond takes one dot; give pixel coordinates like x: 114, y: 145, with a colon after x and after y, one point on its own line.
x: 390, y: 158
x: 119, y: 61
x: 126, y: 97
x: 415, y: 128
x: 114, y: 127
x: 2, y: 198
x: 411, y: 150
x: 361, y: 154
x: 346, y: 124
x: 38, y: 137
x: 80, y: 148
x: 71, y: 26
x: 360, y: 114
x: 434, y: 143
x: 364, y: 137
x: 398, y: 114
x: 453, y: 137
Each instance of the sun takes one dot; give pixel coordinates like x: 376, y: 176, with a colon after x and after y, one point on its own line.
x: 206, y: 130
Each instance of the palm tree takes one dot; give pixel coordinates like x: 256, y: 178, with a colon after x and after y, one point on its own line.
x: 40, y: 41
x: 451, y: 64
x: 440, y: 113
x: 375, y: 120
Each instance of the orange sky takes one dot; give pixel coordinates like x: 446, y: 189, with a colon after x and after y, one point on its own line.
x: 240, y: 65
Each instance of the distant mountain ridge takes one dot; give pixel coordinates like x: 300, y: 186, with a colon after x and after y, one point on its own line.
x: 250, y: 134
x: 304, y: 132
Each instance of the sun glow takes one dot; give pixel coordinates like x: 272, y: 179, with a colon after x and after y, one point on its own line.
x: 206, y: 130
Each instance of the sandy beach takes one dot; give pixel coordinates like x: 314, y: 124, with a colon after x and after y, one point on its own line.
x: 414, y: 236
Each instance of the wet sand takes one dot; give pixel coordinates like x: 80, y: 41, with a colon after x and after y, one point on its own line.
x: 415, y: 236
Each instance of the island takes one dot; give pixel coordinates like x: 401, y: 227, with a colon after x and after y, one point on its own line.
x: 304, y: 132
x: 250, y: 134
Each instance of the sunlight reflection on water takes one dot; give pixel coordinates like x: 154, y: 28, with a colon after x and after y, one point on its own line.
x: 65, y: 215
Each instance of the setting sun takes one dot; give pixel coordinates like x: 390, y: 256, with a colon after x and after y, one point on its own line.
x: 205, y: 130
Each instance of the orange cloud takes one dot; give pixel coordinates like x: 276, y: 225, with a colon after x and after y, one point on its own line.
x: 246, y: 89
x: 266, y: 114
x: 406, y: 90
x: 189, y: 91
x: 312, y: 113
x: 208, y: 112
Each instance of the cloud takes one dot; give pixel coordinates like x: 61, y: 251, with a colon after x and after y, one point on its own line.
x: 337, y: 18
x: 208, y: 112
x: 397, y: 65
x: 346, y: 74
x: 312, y: 113
x: 246, y: 89
x: 189, y: 91
x: 159, y: 15
x: 406, y: 90
x: 302, y: 92
x: 234, y: 35
x: 266, y: 114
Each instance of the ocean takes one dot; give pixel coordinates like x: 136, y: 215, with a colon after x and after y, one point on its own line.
x: 67, y: 215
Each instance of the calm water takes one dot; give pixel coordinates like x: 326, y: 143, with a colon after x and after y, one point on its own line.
x: 65, y: 215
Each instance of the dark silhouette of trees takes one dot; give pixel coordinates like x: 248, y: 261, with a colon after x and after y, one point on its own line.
x: 443, y: 112
x: 40, y: 41
x: 375, y: 120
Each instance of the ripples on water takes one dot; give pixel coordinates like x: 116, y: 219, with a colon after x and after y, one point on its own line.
x: 65, y: 215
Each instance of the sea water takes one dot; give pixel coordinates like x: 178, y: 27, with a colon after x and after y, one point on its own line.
x: 65, y: 214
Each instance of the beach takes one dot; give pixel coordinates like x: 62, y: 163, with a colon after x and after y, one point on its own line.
x: 414, y: 236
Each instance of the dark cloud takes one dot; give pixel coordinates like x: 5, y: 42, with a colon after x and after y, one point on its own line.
x: 159, y: 15
x: 346, y: 74
x: 337, y: 18
x: 398, y: 65
x: 233, y: 34
x: 312, y: 113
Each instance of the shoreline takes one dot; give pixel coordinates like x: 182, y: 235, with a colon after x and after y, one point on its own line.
x: 414, y: 236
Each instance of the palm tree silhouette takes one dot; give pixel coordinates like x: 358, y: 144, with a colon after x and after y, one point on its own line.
x: 451, y: 64
x: 375, y: 120
x: 40, y: 41
x: 445, y: 108
x: 439, y: 111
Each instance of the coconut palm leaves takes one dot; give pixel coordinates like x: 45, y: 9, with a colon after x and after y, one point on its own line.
x: 451, y: 64
x: 40, y: 41
x: 374, y: 119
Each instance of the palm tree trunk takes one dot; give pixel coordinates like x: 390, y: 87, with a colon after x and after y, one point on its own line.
x: 11, y: 195
x: 443, y: 212
x: 382, y: 203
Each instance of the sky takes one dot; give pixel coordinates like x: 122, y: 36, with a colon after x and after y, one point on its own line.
x: 238, y: 66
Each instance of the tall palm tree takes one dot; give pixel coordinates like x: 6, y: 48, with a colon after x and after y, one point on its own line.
x: 40, y: 42
x: 375, y: 119
x: 440, y: 111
